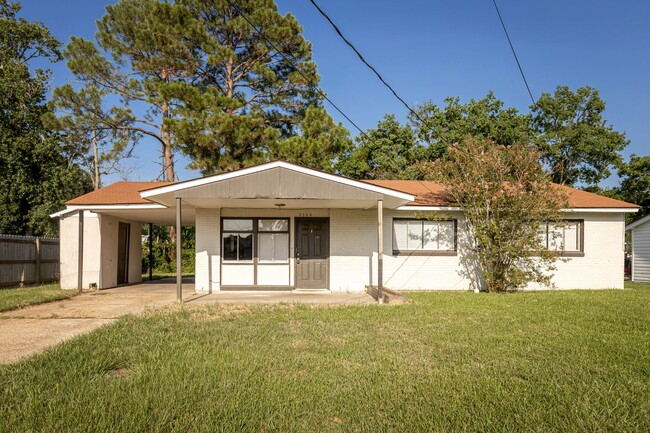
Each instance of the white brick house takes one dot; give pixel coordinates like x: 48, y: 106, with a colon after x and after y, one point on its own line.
x: 280, y: 226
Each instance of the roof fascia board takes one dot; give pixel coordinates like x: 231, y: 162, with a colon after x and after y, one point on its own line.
x: 77, y: 207
x: 451, y: 208
x: 601, y: 209
x: 430, y: 208
x: 637, y: 223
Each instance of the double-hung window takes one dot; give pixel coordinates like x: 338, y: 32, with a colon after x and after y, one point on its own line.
x: 566, y: 237
x: 424, y: 236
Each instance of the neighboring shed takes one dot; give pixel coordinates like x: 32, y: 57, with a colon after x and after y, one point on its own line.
x: 640, y: 231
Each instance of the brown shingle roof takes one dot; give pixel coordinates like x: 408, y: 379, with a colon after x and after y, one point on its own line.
x: 429, y: 193
x: 426, y: 193
x: 118, y: 193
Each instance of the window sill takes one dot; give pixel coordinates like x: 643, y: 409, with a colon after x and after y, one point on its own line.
x: 564, y: 254
x: 572, y: 254
x: 425, y: 253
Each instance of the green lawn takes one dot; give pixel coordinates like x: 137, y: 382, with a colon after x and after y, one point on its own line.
x: 159, y: 275
x: 526, y: 362
x: 14, y: 298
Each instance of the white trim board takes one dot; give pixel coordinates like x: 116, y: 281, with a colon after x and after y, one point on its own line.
x: 460, y: 209
x: 74, y: 208
x: 637, y: 223
x: 269, y: 166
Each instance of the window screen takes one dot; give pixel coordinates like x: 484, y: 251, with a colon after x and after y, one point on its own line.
x: 273, y: 247
x: 564, y: 236
x: 423, y: 235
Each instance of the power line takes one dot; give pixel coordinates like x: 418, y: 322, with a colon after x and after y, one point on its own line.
x: 513, y: 51
x: 351, y: 45
x: 290, y: 62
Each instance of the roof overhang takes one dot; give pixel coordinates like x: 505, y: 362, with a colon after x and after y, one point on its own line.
x: 277, y: 183
x: 147, y: 213
x: 637, y: 223
x: 602, y: 209
x: 460, y: 209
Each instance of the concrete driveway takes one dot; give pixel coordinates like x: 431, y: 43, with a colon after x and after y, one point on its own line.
x: 33, y: 329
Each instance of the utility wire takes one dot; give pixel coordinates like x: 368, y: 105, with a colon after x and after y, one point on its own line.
x: 351, y: 45
x: 291, y: 62
x: 513, y: 51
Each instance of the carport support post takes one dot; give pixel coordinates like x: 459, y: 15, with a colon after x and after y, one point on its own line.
x: 80, y: 258
x: 179, y: 262
x: 150, y: 251
x: 380, y: 251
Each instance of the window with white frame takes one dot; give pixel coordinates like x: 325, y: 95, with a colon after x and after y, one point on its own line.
x: 416, y: 235
x: 565, y: 236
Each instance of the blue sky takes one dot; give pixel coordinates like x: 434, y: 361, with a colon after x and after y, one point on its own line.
x: 429, y: 50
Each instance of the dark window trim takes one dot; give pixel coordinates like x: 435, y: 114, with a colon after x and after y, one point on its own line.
x: 423, y: 252
x: 237, y: 231
x: 288, y: 220
x: 581, y: 246
x: 255, y: 232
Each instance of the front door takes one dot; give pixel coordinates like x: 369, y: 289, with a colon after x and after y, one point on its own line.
x: 124, y: 230
x: 312, y: 253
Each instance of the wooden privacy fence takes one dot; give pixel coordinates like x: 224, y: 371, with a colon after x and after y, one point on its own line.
x: 28, y: 259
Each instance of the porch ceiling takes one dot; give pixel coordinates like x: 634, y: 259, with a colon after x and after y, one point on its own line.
x: 160, y: 217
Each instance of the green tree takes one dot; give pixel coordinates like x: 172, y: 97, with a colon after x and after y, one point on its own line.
x: 247, y: 95
x: 506, y: 197
x: 319, y: 143
x: 575, y: 141
x: 146, y: 61
x: 197, y: 77
x: 386, y: 152
x: 635, y: 184
x: 36, y: 177
x: 485, y: 118
x: 96, y: 148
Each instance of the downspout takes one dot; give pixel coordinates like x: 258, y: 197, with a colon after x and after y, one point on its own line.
x: 380, y: 251
x: 100, y: 283
x: 179, y: 252
x: 80, y: 252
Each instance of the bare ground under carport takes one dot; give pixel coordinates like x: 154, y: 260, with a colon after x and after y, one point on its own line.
x: 33, y: 329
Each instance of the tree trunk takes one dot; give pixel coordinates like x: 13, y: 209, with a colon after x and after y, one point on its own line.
x: 96, y: 180
x: 168, y: 156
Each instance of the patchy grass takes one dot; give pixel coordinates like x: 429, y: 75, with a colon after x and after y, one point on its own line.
x: 15, y: 298
x: 558, y: 361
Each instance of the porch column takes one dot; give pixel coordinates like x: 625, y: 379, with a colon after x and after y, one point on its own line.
x: 80, y: 249
x: 380, y: 250
x: 150, y: 251
x: 179, y: 261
